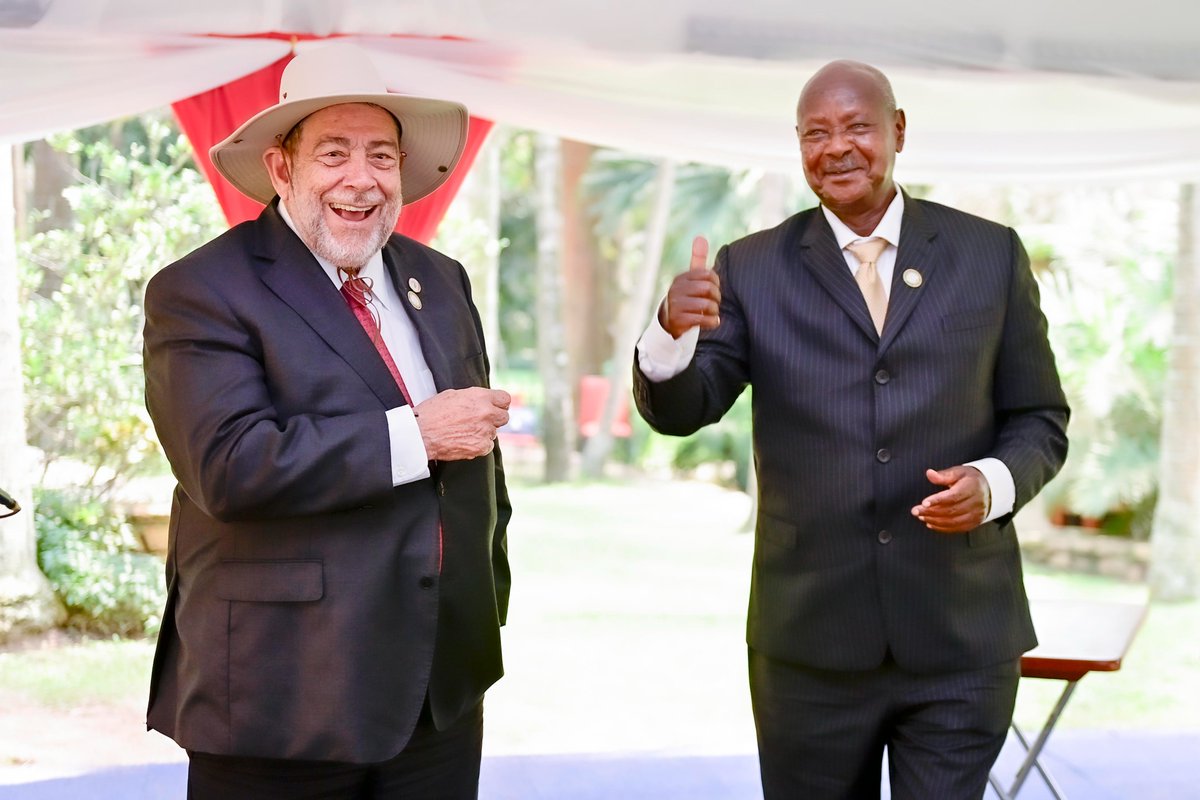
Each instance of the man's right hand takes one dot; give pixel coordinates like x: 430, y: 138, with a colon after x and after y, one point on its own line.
x: 694, y: 297
x: 460, y: 424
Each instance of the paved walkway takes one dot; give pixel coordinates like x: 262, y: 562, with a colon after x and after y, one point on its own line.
x: 1089, y: 765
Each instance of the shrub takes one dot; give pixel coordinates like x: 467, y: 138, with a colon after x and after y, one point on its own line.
x: 81, y: 299
x: 95, y: 564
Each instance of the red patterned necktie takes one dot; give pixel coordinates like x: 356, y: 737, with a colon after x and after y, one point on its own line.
x: 358, y: 295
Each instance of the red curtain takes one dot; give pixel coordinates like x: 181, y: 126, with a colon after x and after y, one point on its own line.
x: 209, y: 117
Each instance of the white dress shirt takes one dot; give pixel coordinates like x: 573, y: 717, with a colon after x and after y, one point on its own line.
x: 661, y: 356
x: 410, y: 461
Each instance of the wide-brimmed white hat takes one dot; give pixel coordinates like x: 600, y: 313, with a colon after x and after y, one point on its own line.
x: 433, y: 132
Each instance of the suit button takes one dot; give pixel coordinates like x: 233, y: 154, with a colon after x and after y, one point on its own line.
x: 426, y: 582
x: 882, y: 377
x: 884, y: 537
x: 441, y: 488
x: 883, y: 455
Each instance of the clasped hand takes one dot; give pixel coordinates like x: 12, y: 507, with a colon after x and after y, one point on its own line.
x: 460, y: 424
x: 961, y: 506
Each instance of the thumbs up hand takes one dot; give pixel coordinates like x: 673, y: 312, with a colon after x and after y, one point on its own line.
x: 694, y: 298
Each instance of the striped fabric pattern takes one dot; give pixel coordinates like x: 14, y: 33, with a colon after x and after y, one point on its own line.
x: 846, y: 421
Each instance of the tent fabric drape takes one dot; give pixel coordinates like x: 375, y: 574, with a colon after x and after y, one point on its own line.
x: 420, y: 220
x: 1022, y: 91
x: 54, y: 81
x: 209, y: 117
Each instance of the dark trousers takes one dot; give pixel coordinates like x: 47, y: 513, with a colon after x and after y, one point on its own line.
x: 822, y: 734
x: 434, y: 765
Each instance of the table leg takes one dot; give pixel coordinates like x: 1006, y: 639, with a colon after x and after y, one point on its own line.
x: 1033, y: 753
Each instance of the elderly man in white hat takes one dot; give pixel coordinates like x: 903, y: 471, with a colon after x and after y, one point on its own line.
x: 337, y: 567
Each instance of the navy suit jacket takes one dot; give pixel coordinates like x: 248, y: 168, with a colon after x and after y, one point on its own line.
x: 307, y: 618
x: 846, y: 422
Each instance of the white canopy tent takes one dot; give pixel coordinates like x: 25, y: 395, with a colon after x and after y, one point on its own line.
x: 1024, y: 90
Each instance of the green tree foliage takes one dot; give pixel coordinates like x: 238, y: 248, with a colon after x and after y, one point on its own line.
x: 1110, y: 314
x: 82, y: 290
x: 1112, y: 353
x: 518, y: 256
x: 712, y: 201
x: 709, y: 201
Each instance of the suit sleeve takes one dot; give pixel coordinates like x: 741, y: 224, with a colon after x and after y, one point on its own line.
x: 208, y: 396
x: 712, y: 381
x: 1031, y: 408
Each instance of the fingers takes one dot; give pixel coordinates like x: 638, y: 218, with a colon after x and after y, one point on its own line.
x: 944, y: 477
x: 694, y: 299
x: 960, y: 523
x: 460, y: 424
x: 958, y: 508
x: 699, y: 253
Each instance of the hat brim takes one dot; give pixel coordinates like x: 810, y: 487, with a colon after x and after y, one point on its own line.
x: 434, y: 135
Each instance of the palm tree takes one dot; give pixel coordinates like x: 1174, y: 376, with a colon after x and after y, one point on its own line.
x: 632, y: 317
x: 558, y: 418
x: 650, y: 243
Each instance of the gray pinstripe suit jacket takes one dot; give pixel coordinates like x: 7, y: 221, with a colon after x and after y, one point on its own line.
x: 846, y: 422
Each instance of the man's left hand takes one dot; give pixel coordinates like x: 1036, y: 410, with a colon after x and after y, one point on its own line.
x: 961, y: 506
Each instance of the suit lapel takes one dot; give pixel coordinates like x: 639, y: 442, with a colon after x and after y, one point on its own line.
x: 915, y: 252
x: 294, y: 275
x: 827, y: 264
x: 404, y: 263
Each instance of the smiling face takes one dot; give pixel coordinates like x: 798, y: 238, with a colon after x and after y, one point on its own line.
x: 850, y: 131
x: 340, y: 181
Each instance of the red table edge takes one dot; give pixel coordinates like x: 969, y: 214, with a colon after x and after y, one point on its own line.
x: 1063, y: 669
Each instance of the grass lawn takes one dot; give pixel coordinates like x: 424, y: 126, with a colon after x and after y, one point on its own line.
x: 626, y: 632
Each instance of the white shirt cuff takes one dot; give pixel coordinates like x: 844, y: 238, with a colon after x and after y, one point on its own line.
x: 1000, y: 483
x: 661, y: 356
x: 410, y: 462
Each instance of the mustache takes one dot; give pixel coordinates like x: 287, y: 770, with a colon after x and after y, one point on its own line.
x: 844, y: 165
x: 367, y: 199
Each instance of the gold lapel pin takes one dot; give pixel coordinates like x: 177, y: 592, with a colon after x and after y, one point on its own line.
x: 913, y: 277
x: 415, y: 299
x: 415, y: 285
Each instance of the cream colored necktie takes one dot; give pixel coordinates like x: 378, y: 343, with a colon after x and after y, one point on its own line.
x: 867, y: 252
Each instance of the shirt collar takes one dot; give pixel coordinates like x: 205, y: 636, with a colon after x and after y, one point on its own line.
x: 888, y: 227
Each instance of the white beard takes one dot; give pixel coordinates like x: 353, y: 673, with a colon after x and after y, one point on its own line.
x: 348, y: 252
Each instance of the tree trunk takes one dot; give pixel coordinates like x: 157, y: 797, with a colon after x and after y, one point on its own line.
x: 27, y: 603
x: 1175, y: 539
x: 631, y: 319
x: 558, y: 419
x: 587, y: 304
x: 53, y: 171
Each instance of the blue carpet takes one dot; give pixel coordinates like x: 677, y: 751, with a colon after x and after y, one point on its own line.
x: 1089, y: 765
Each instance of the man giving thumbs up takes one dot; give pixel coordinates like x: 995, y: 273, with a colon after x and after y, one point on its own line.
x: 906, y: 404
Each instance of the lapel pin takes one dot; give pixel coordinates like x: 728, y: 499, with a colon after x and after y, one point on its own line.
x: 415, y: 299
x: 415, y: 285
x: 913, y: 277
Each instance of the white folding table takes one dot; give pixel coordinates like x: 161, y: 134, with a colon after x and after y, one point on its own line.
x: 1076, y: 637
